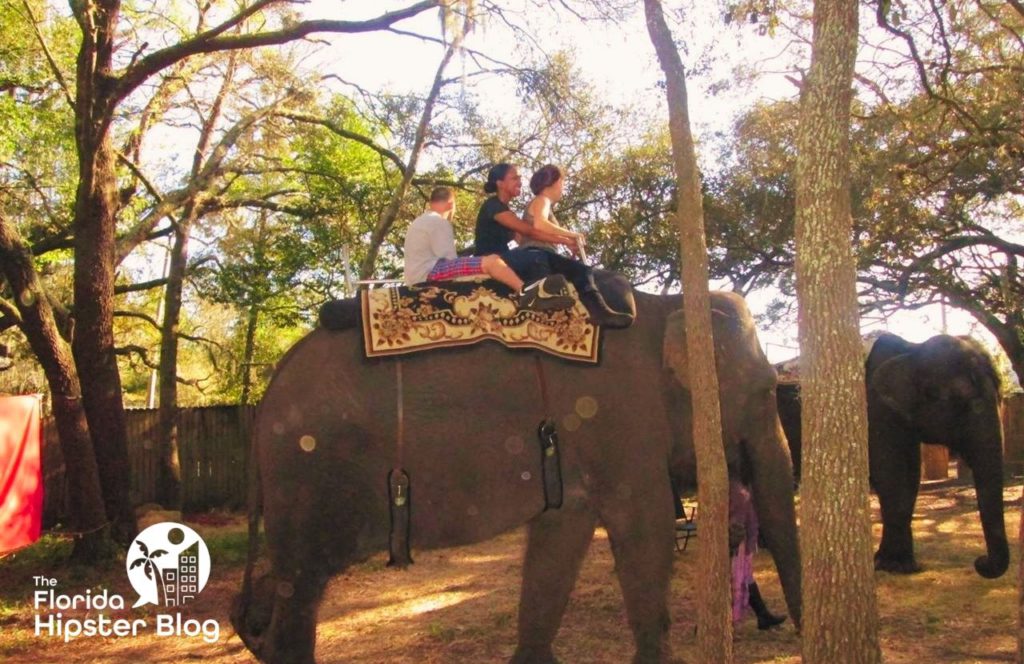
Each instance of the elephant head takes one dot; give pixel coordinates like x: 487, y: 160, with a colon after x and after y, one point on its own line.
x: 755, y: 445
x: 943, y: 391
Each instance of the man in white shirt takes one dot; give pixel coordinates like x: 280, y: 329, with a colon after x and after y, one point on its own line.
x: 430, y: 256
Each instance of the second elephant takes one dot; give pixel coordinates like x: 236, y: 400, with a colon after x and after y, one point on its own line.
x: 944, y: 391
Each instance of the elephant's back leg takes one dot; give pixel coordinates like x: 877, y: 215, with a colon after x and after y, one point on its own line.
x: 557, y: 543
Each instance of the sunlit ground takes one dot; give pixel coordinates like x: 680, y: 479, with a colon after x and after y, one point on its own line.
x: 459, y: 605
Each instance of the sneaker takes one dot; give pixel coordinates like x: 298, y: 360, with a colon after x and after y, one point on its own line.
x: 547, y: 294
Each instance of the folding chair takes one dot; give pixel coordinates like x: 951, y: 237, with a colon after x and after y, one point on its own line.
x: 686, y: 528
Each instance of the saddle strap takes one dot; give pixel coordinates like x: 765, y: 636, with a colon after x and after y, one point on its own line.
x: 550, y: 458
x: 399, y: 501
x: 399, y: 492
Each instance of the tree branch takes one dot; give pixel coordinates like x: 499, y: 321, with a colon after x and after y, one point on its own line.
x: 214, y: 40
x: 137, y: 314
x: 351, y: 135
x: 49, y: 57
x: 141, y: 286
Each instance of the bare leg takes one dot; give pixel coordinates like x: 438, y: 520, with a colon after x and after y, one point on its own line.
x: 556, y: 545
x: 496, y: 268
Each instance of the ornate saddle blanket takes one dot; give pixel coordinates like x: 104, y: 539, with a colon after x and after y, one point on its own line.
x: 400, y: 320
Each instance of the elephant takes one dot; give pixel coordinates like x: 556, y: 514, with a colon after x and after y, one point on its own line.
x: 944, y: 391
x: 327, y: 432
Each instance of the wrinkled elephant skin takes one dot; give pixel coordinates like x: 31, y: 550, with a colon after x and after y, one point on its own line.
x: 325, y: 438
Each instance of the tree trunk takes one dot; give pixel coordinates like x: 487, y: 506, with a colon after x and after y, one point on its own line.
x: 249, y: 352
x: 840, y: 609
x: 95, y: 222
x: 714, y: 617
x: 169, y: 482
x: 169, y: 477
x: 88, y: 516
x: 93, y: 339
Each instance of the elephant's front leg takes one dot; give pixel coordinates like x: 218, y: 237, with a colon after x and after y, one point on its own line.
x: 896, y: 474
x: 557, y: 542
x: 639, y: 524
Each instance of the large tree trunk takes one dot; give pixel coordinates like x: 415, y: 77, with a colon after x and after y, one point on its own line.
x: 94, y: 226
x: 714, y: 618
x: 88, y: 516
x: 93, y: 337
x: 840, y: 609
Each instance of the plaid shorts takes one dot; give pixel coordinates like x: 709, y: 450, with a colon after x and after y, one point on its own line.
x: 464, y: 266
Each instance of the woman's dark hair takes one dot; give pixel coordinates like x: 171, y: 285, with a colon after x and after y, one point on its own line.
x: 497, y: 172
x: 544, y: 178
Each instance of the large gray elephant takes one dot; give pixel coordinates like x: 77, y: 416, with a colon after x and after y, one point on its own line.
x: 944, y: 391
x: 325, y: 439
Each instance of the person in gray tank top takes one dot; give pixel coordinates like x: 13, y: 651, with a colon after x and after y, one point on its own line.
x: 547, y: 184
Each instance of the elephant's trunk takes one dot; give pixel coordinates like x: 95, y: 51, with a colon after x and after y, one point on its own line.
x: 986, y: 462
x: 771, y: 473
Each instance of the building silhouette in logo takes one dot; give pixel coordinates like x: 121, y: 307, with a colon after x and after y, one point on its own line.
x: 181, y: 583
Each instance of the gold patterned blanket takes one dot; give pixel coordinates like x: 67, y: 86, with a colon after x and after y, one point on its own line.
x: 399, y: 320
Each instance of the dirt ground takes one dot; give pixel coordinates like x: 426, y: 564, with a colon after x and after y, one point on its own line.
x: 459, y: 605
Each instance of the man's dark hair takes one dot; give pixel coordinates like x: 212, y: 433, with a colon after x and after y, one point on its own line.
x: 497, y: 172
x: 544, y: 178
x: 441, y: 194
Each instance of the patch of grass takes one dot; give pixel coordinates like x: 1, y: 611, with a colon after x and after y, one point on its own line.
x: 443, y: 633
x: 229, y: 548
x: 503, y: 620
x: 48, y: 556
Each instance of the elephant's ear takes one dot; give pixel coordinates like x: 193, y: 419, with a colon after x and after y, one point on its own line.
x: 895, y: 383
x: 673, y: 350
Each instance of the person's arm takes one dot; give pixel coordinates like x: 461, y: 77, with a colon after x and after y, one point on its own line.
x: 509, y: 219
x: 540, y: 210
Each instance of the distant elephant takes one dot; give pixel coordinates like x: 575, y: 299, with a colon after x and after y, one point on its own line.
x: 325, y: 439
x: 944, y: 391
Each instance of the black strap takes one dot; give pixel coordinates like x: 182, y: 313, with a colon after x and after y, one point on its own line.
x: 550, y: 458
x: 399, y: 491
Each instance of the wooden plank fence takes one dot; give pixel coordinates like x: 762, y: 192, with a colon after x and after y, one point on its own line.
x: 1013, y: 433
x: 213, y: 448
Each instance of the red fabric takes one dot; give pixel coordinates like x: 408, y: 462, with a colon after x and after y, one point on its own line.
x: 21, y: 478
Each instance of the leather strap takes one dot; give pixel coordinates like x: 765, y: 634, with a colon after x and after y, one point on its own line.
x: 550, y: 459
x: 399, y: 490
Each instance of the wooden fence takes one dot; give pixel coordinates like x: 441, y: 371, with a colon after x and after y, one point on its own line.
x: 1013, y: 433
x: 213, y: 448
